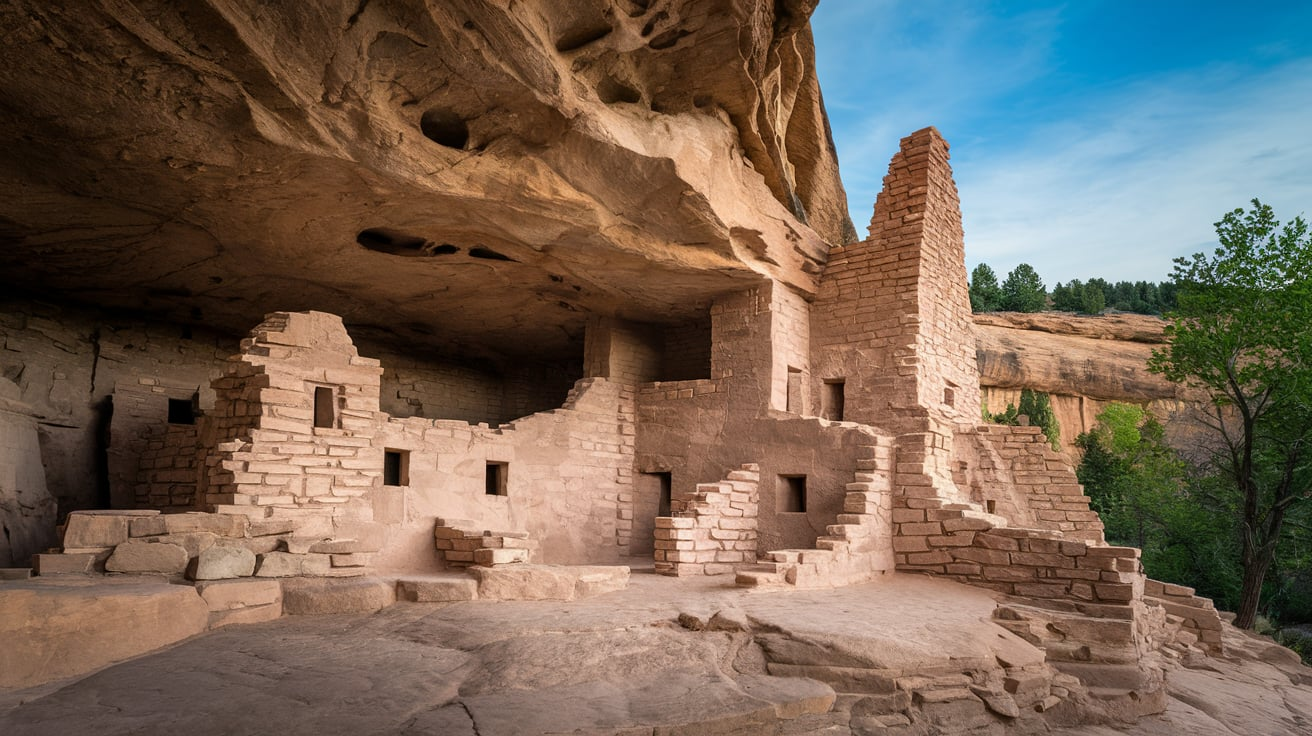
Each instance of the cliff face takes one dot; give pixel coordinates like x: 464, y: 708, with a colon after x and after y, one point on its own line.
x: 471, y: 175
x: 1083, y: 363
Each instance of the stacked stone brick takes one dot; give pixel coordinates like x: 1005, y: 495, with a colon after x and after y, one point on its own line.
x: 714, y: 531
x: 168, y: 470
x: 1194, y: 614
x: 1045, y: 481
x: 460, y: 544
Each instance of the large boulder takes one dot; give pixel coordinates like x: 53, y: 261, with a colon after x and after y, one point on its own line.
x: 50, y: 631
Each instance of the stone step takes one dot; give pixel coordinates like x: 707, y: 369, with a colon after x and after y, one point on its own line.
x: 15, y: 573
x: 830, y: 544
x: 751, y: 467
x: 744, y: 475
x: 758, y: 579
x: 489, y: 557
x: 848, y: 531
x: 785, y: 555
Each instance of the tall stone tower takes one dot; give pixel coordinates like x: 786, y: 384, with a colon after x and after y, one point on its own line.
x: 891, y: 321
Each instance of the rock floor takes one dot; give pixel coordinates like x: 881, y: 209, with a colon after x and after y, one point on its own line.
x: 662, y: 657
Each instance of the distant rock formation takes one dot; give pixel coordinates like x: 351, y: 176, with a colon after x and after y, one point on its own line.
x: 1082, y: 362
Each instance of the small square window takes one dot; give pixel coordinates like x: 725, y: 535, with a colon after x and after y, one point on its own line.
x: 495, y: 479
x: 791, y: 492
x: 396, y: 468
x: 182, y: 411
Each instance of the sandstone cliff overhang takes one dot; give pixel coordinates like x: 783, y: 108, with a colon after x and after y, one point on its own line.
x: 1102, y: 357
x: 466, y: 175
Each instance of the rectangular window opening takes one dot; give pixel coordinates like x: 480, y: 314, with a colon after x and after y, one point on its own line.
x: 495, y: 479
x: 396, y: 468
x: 793, y: 401
x: 325, y: 407
x: 663, y: 506
x: 991, y: 506
x: 950, y: 395
x: 182, y: 411
x: 831, y: 401
x: 791, y: 494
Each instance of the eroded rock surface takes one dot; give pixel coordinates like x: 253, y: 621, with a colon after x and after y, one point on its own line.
x: 455, y: 172
x: 906, y: 655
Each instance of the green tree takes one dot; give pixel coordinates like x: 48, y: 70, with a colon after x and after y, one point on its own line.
x: 985, y: 294
x: 1037, y: 407
x: 1023, y: 290
x: 1240, y: 336
x: 1092, y: 300
x: 1140, y: 487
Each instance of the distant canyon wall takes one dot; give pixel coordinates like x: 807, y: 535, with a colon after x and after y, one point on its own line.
x: 1082, y: 362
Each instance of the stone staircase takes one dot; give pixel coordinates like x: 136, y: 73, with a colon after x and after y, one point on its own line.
x: 845, y: 554
x: 714, y: 530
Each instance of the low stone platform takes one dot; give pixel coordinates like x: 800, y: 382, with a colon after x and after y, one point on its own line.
x: 515, y: 583
x: 62, y: 627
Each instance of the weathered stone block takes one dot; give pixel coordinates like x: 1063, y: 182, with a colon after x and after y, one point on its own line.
x: 146, y: 557
x: 100, y: 528
x: 223, y: 595
x: 224, y: 562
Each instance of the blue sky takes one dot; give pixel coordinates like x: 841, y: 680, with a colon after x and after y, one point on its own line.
x: 1089, y: 138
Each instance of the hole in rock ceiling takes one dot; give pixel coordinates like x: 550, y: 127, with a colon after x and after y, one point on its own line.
x: 480, y: 251
x: 611, y: 90
x: 668, y: 39
x: 577, y: 38
x: 397, y: 243
x: 444, y: 128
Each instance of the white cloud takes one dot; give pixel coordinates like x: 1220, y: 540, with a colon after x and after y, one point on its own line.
x: 1135, y: 178
x: 1111, y: 181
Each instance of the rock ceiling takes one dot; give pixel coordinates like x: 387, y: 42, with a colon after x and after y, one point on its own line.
x: 462, y: 174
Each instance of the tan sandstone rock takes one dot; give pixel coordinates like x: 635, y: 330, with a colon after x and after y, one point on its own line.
x: 142, y: 557
x: 51, y: 631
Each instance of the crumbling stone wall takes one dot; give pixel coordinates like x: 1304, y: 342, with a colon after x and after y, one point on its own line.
x: 568, y: 483
x: 700, y: 431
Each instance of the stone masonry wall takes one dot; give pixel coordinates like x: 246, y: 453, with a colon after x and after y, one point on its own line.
x: 168, y: 475
x: 1041, y: 483
x: 569, y: 481
x: 700, y: 431
x: 686, y: 351
x: 269, y: 460
x: 67, y: 363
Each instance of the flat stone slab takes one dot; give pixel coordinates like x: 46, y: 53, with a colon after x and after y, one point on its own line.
x: 437, y: 589
x: 301, y: 596
x: 88, y: 529
x: 52, y: 629
x: 148, y: 557
x: 523, y: 582
x: 224, y: 595
x: 47, y: 564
